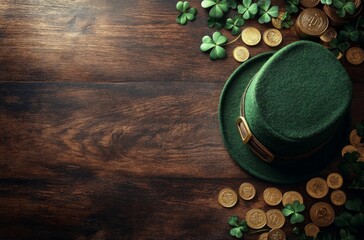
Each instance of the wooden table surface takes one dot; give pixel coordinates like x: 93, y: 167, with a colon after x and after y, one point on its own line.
x: 109, y: 126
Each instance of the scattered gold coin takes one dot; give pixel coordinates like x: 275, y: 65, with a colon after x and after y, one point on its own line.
x: 241, y: 54
x: 317, y: 187
x: 338, y: 197
x: 322, y: 214
x: 272, y: 196
x: 355, y: 139
x: 311, y: 230
x: 247, y: 191
x: 263, y: 236
x: 272, y: 37
x: 256, y: 218
x: 348, y: 148
x: 276, y: 234
x: 328, y: 35
x: 334, y: 180
x: 251, y: 36
x: 275, y: 218
x: 227, y: 197
x: 277, y: 22
x: 355, y: 55
x: 291, y: 196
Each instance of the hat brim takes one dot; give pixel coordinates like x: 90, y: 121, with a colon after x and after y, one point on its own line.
x: 229, y: 111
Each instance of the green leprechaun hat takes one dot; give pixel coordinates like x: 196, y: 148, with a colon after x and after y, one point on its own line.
x: 283, y: 115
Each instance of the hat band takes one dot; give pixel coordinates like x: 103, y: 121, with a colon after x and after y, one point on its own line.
x: 256, y: 146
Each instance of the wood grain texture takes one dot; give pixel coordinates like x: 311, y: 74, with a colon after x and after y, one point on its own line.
x: 109, y: 126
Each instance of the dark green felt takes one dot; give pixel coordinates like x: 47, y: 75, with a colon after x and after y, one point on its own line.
x: 300, y: 95
x: 229, y: 111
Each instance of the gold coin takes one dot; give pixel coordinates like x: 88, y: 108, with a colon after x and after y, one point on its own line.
x: 251, y: 36
x: 247, y: 191
x: 227, y: 197
x: 312, y: 22
x: 355, y: 55
x: 328, y: 35
x: 272, y: 37
x: 272, y: 196
x: 309, y: 3
x: 355, y: 139
x: 338, y: 197
x: 348, y: 148
x: 263, y: 236
x: 277, y: 22
x: 322, y: 214
x: 311, y: 230
x: 275, y: 218
x: 241, y: 54
x: 317, y: 187
x: 334, y: 180
x: 291, y: 196
x: 339, y: 56
x: 256, y: 218
x: 276, y: 234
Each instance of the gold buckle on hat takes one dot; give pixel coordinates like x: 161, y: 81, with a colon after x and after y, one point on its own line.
x: 244, y: 129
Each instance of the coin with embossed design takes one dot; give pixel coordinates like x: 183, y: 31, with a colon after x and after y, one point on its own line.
x: 272, y: 37
x: 317, y: 187
x: 338, y: 197
x: 276, y: 234
x: 241, y: 54
x: 355, y: 55
x: 251, y: 36
x: 309, y: 3
x: 291, y: 196
x: 272, y: 196
x: 322, y: 214
x: 355, y: 139
x: 263, y: 236
x: 256, y: 218
x: 247, y: 191
x: 275, y: 218
x: 277, y: 22
x: 227, y: 197
x: 334, y: 180
x: 311, y: 22
x: 328, y: 35
x: 311, y: 230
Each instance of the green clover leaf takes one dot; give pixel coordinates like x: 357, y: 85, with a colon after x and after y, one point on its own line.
x: 360, y: 126
x: 350, y: 32
x: 287, y: 21
x: 291, y: 6
x: 239, y: 227
x: 215, y: 22
x: 234, y: 24
x: 218, y: 7
x: 294, y: 210
x: 232, y: 4
x: 343, y: 7
x: 214, y: 44
x: 266, y: 12
x: 248, y: 9
x: 326, y: 2
x: 187, y: 14
x: 345, y: 234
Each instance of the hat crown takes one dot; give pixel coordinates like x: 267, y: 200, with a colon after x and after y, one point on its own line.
x: 298, y: 98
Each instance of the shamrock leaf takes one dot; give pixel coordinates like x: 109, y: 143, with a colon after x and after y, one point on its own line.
x: 345, y: 234
x: 215, y: 22
x: 350, y: 32
x: 239, y: 227
x: 287, y: 21
x: 248, y: 9
x: 360, y: 128
x: 266, y: 12
x: 214, y: 44
x: 186, y: 12
x: 232, y: 4
x: 325, y: 236
x: 294, y: 210
x: 343, y: 7
x: 291, y: 6
x: 327, y: 2
x: 234, y: 24
x: 218, y: 7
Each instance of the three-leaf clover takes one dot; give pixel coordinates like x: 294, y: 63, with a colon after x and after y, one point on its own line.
x: 343, y: 7
x: 339, y: 44
x: 232, y: 4
x: 234, y: 24
x: 291, y: 6
x: 266, y: 12
x: 301, y: 235
x: 350, y: 32
x: 355, y: 205
x: 326, y: 2
x: 186, y: 12
x: 287, y: 21
x: 294, y: 210
x: 218, y: 23
x: 218, y: 7
x: 239, y: 227
x: 215, y: 45
x: 248, y: 9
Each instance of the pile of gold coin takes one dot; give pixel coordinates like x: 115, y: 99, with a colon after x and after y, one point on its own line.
x: 335, y: 20
x: 311, y: 23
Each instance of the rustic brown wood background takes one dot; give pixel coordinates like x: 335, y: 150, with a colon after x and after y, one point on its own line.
x: 108, y: 123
